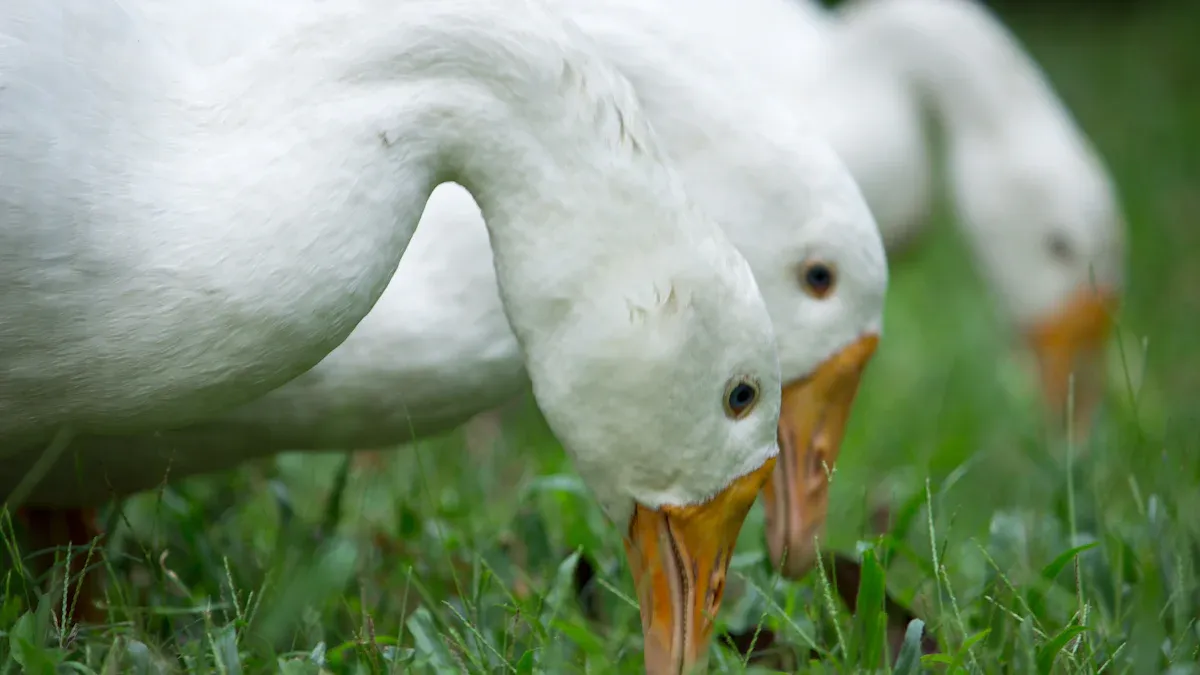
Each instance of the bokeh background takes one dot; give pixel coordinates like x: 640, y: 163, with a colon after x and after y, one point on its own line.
x: 465, y: 551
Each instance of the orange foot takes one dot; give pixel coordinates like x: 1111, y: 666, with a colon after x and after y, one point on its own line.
x: 50, y: 531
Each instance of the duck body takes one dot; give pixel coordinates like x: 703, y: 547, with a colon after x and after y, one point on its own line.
x: 133, y: 298
x: 434, y: 351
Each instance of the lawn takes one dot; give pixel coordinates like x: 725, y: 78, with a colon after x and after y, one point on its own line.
x: 1020, y: 553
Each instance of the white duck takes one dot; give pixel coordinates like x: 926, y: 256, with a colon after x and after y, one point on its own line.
x: 1036, y: 203
x: 424, y: 362
x: 176, y: 240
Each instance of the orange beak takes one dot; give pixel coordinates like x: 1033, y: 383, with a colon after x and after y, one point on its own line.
x: 679, y: 556
x: 811, y: 424
x: 1072, y: 343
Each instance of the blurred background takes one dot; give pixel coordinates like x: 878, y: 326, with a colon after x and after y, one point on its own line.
x: 458, y: 551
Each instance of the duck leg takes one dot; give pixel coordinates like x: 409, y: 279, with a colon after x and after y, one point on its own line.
x: 50, y: 532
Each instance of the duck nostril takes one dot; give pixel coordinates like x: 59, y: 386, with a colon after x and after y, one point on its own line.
x: 817, y: 460
x: 716, y: 585
x: 714, y: 592
x: 818, y: 466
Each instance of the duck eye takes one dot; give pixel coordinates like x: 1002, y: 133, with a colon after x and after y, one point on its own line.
x: 818, y: 279
x: 740, y: 397
x: 1059, y: 249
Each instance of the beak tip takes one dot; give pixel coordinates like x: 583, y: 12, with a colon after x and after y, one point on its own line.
x: 679, y: 556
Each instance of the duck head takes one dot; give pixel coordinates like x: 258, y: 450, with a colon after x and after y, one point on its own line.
x: 661, y: 379
x: 1043, y: 219
x: 798, y: 216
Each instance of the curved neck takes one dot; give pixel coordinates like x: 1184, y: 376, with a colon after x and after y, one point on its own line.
x: 958, y: 57
x: 504, y: 99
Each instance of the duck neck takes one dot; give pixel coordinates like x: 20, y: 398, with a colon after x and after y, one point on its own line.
x: 350, y: 115
x: 547, y: 138
x: 959, y: 59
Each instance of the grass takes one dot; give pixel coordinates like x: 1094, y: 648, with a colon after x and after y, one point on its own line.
x: 1021, y: 554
